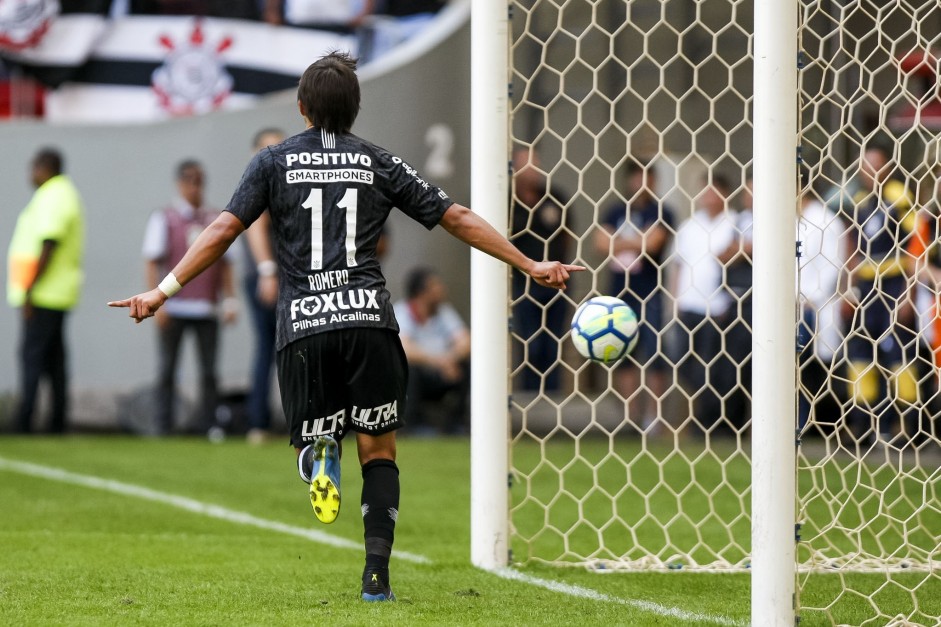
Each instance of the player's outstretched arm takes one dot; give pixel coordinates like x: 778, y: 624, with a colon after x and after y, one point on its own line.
x: 207, y: 249
x: 470, y: 228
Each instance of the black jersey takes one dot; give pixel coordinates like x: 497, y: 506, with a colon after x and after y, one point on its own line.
x: 329, y: 196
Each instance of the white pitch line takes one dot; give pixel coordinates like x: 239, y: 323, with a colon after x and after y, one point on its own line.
x: 191, y: 505
x: 594, y: 595
x: 243, y: 518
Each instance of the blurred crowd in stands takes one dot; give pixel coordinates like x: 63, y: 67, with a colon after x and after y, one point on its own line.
x: 869, y: 326
x: 388, y: 22
x: 867, y: 334
x: 868, y: 341
x: 376, y: 26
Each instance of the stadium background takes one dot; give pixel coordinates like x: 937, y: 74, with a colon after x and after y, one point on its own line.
x: 684, y: 70
x: 578, y: 116
x: 126, y: 172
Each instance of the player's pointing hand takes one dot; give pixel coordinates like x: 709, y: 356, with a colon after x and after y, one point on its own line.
x: 143, y: 305
x: 553, y: 273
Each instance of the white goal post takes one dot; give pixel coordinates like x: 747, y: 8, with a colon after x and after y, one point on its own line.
x: 489, y: 288
x: 774, y: 391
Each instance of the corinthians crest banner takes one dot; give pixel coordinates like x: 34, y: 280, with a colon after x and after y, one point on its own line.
x: 48, y: 37
x: 143, y: 68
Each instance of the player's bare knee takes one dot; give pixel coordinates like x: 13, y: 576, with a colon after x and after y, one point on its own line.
x: 372, y: 447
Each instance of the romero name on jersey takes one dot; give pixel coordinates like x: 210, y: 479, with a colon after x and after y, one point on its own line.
x: 329, y: 196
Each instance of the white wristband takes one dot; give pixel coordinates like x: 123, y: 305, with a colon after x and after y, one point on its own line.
x: 230, y: 304
x: 169, y: 285
x: 267, y: 268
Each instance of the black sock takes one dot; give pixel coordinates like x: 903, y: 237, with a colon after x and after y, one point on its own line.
x: 380, y: 503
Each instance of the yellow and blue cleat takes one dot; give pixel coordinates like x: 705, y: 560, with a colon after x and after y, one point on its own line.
x: 376, y: 586
x: 319, y: 465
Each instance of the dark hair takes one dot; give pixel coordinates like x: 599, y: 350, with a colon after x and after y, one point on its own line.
x: 879, y: 146
x: 636, y: 166
x: 271, y: 130
x: 329, y: 92
x: 49, y: 159
x: 720, y: 182
x: 185, y: 166
x: 417, y: 280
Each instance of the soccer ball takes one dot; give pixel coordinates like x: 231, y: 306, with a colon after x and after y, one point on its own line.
x: 604, y: 329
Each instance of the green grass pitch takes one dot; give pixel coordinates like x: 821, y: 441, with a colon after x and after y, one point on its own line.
x: 78, y: 555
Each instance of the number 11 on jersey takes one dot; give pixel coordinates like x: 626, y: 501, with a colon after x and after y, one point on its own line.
x: 314, y: 202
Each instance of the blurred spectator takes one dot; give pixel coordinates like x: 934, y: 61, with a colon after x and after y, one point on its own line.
x: 925, y: 249
x: 539, y: 230
x: 437, y: 345
x: 21, y: 96
x: 342, y: 16
x: 737, y: 321
x: 169, y: 233
x: 261, y: 290
x: 394, y: 22
x: 242, y: 9
x: 635, y: 235
x: 704, y: 244
x: 409, y: 8
x: 45, y: 278
x: 879, y: 312
x: 821, y: 234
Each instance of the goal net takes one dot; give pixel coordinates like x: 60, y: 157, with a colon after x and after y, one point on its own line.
x: 632, y: 140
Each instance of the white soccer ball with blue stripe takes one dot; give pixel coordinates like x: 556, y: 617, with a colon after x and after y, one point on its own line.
x: 604, y: 329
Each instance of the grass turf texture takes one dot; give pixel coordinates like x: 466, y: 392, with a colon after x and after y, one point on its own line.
x: 609, y: 499
x: 80, y: 556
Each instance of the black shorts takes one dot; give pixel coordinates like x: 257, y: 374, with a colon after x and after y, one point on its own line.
x: 347, y: 379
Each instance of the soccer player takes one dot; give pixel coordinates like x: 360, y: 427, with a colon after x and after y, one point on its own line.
x: 341, y: 366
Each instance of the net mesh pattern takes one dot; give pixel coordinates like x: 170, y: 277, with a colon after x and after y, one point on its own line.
x: 632, y: 136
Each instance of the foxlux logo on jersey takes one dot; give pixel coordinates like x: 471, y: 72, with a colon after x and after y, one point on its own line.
x: 368, y: 418
x: 337, y: 175
x: 343, y: 306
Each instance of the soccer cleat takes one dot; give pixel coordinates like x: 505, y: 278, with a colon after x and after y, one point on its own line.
x: 305, y: 462
x: 376, y: 586
x: 319, y: 465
